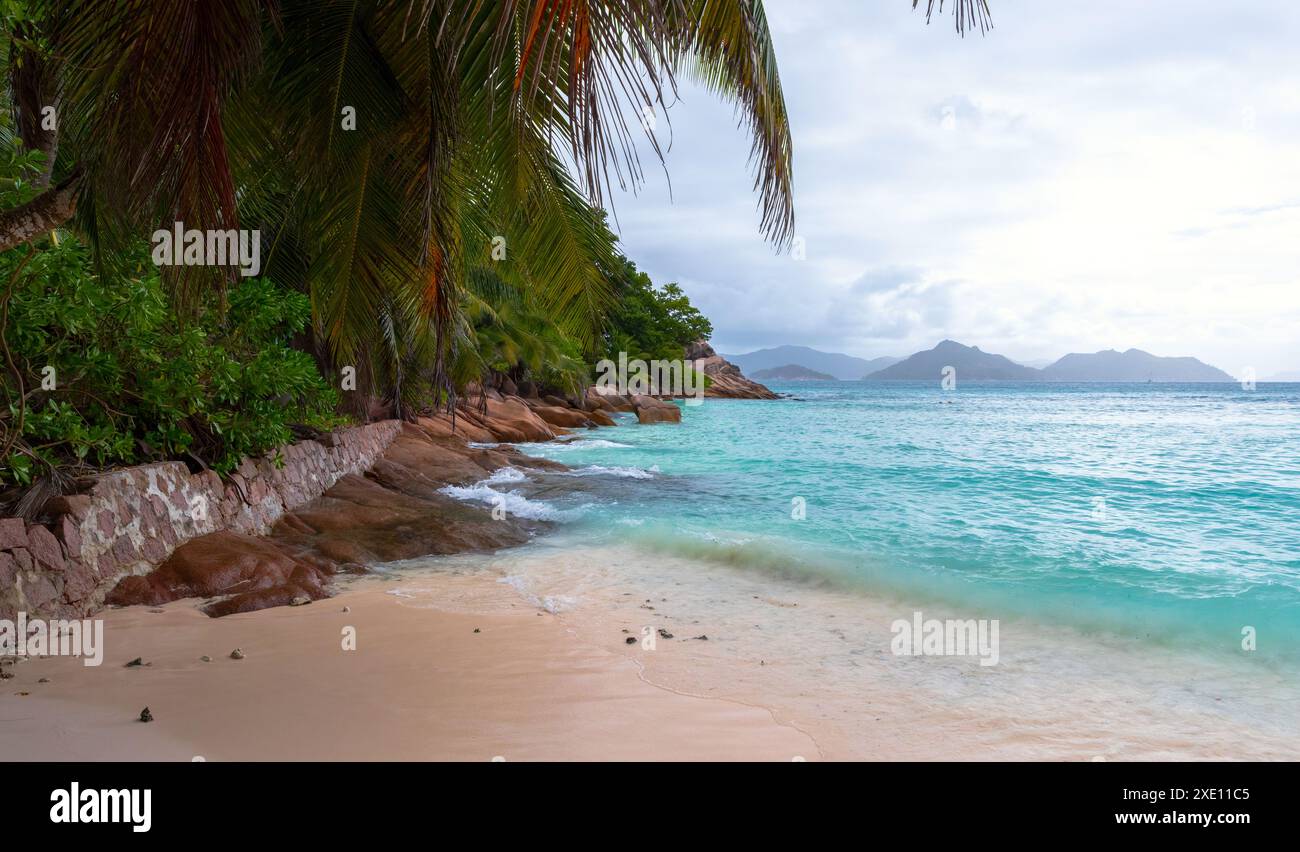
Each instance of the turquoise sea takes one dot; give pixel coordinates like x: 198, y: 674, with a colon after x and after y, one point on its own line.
x: 1165, y: 512
x: 1138, y: 544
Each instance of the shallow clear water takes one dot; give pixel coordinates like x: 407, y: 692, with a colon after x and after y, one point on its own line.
x: 1165, y: 513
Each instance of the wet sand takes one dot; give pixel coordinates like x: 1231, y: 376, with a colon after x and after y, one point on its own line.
x: 421, y: 684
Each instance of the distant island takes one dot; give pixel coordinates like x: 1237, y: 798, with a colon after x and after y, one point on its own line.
x: 972, y: 364
x: 1131, y: 366
x: 792, y: 373
x: 834, y: 364
x: 802, y: 363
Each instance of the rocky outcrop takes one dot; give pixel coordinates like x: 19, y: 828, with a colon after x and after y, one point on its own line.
x: 130, y: 520
x: 395, y: 511
x: 249, y: 572
x: 725, y: 379
x: 570, y: 418
x: 651, y: 410
x: 278, y: 529
x: 597, y: 400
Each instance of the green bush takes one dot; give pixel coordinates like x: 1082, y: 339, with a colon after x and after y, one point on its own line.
x: 651, y: 322
x: 114, y: 373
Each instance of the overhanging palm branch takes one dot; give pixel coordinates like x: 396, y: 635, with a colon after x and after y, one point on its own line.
x: 474, y: 120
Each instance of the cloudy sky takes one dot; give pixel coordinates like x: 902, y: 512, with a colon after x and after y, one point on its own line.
x: 1089, y: 175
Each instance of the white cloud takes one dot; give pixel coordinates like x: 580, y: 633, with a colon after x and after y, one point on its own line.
x: 1089, y: 175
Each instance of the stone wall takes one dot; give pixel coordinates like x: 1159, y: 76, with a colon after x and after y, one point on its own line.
x: 132, y: 519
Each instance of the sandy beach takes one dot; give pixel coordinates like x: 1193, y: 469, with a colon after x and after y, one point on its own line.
x: 474, y: 638
x: 510, y: 684
x: 525, y: 655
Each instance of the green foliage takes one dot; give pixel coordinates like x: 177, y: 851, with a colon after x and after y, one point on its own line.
x: 652, y: 323
x: 452, y: 234
x: 473, y: 123
x: 113, y: 374
x: 507, y: 333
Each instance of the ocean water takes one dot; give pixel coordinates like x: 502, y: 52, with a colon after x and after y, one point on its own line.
x: 1162, y: 511
x: 1129, y: 535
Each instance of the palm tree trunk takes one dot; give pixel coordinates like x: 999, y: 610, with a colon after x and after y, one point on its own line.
x: 42, y: 214
x: 34, y: 83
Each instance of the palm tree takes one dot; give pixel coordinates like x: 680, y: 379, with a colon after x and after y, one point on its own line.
x: 389, y: 151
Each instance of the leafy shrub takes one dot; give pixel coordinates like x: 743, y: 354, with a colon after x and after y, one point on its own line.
x: 112, y: 372
x: 651, y: 323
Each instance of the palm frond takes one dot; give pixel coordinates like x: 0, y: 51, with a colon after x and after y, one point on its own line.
x: 967, y: 14
x: 728, y: 48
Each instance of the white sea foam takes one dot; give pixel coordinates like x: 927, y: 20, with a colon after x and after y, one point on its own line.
x: 505, y: 474
x: 579, y: 444
x: 550, y: 603
x: 513, y: 502
x: 603, y: 470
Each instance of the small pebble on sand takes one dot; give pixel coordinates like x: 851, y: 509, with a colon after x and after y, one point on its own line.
x: 237, y: 654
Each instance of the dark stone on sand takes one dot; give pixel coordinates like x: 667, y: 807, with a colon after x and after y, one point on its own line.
x: 138, y: 661
x: 145, y: 715
x: 664, y: 634
x: 631, y: 640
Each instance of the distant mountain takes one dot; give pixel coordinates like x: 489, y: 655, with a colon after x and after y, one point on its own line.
x: 840, y: 366
x: 792, y: 373
x: 971, y: 365
x: 877, y: 364
x: 1131, y: 366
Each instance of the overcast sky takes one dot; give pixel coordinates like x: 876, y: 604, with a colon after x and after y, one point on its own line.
x: 1089, y: 175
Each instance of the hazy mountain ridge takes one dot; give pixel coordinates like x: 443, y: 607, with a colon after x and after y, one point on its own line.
x: 784, y: 363
x: 1133, y: 365
x: 792, y: 373
x: 836, y: 364
x: 972, y: 364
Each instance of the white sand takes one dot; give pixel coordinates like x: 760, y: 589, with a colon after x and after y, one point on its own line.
x: 421, y: 685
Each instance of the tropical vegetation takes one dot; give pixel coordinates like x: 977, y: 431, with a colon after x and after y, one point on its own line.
x: 427, y: 177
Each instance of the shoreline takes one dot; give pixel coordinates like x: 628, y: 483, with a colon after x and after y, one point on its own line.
x: 400, y: 506
x: 522, y: 652
x: 502, y: 656
x: 419, y: 694
x: 510, y: 684
x: 822, y: 659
